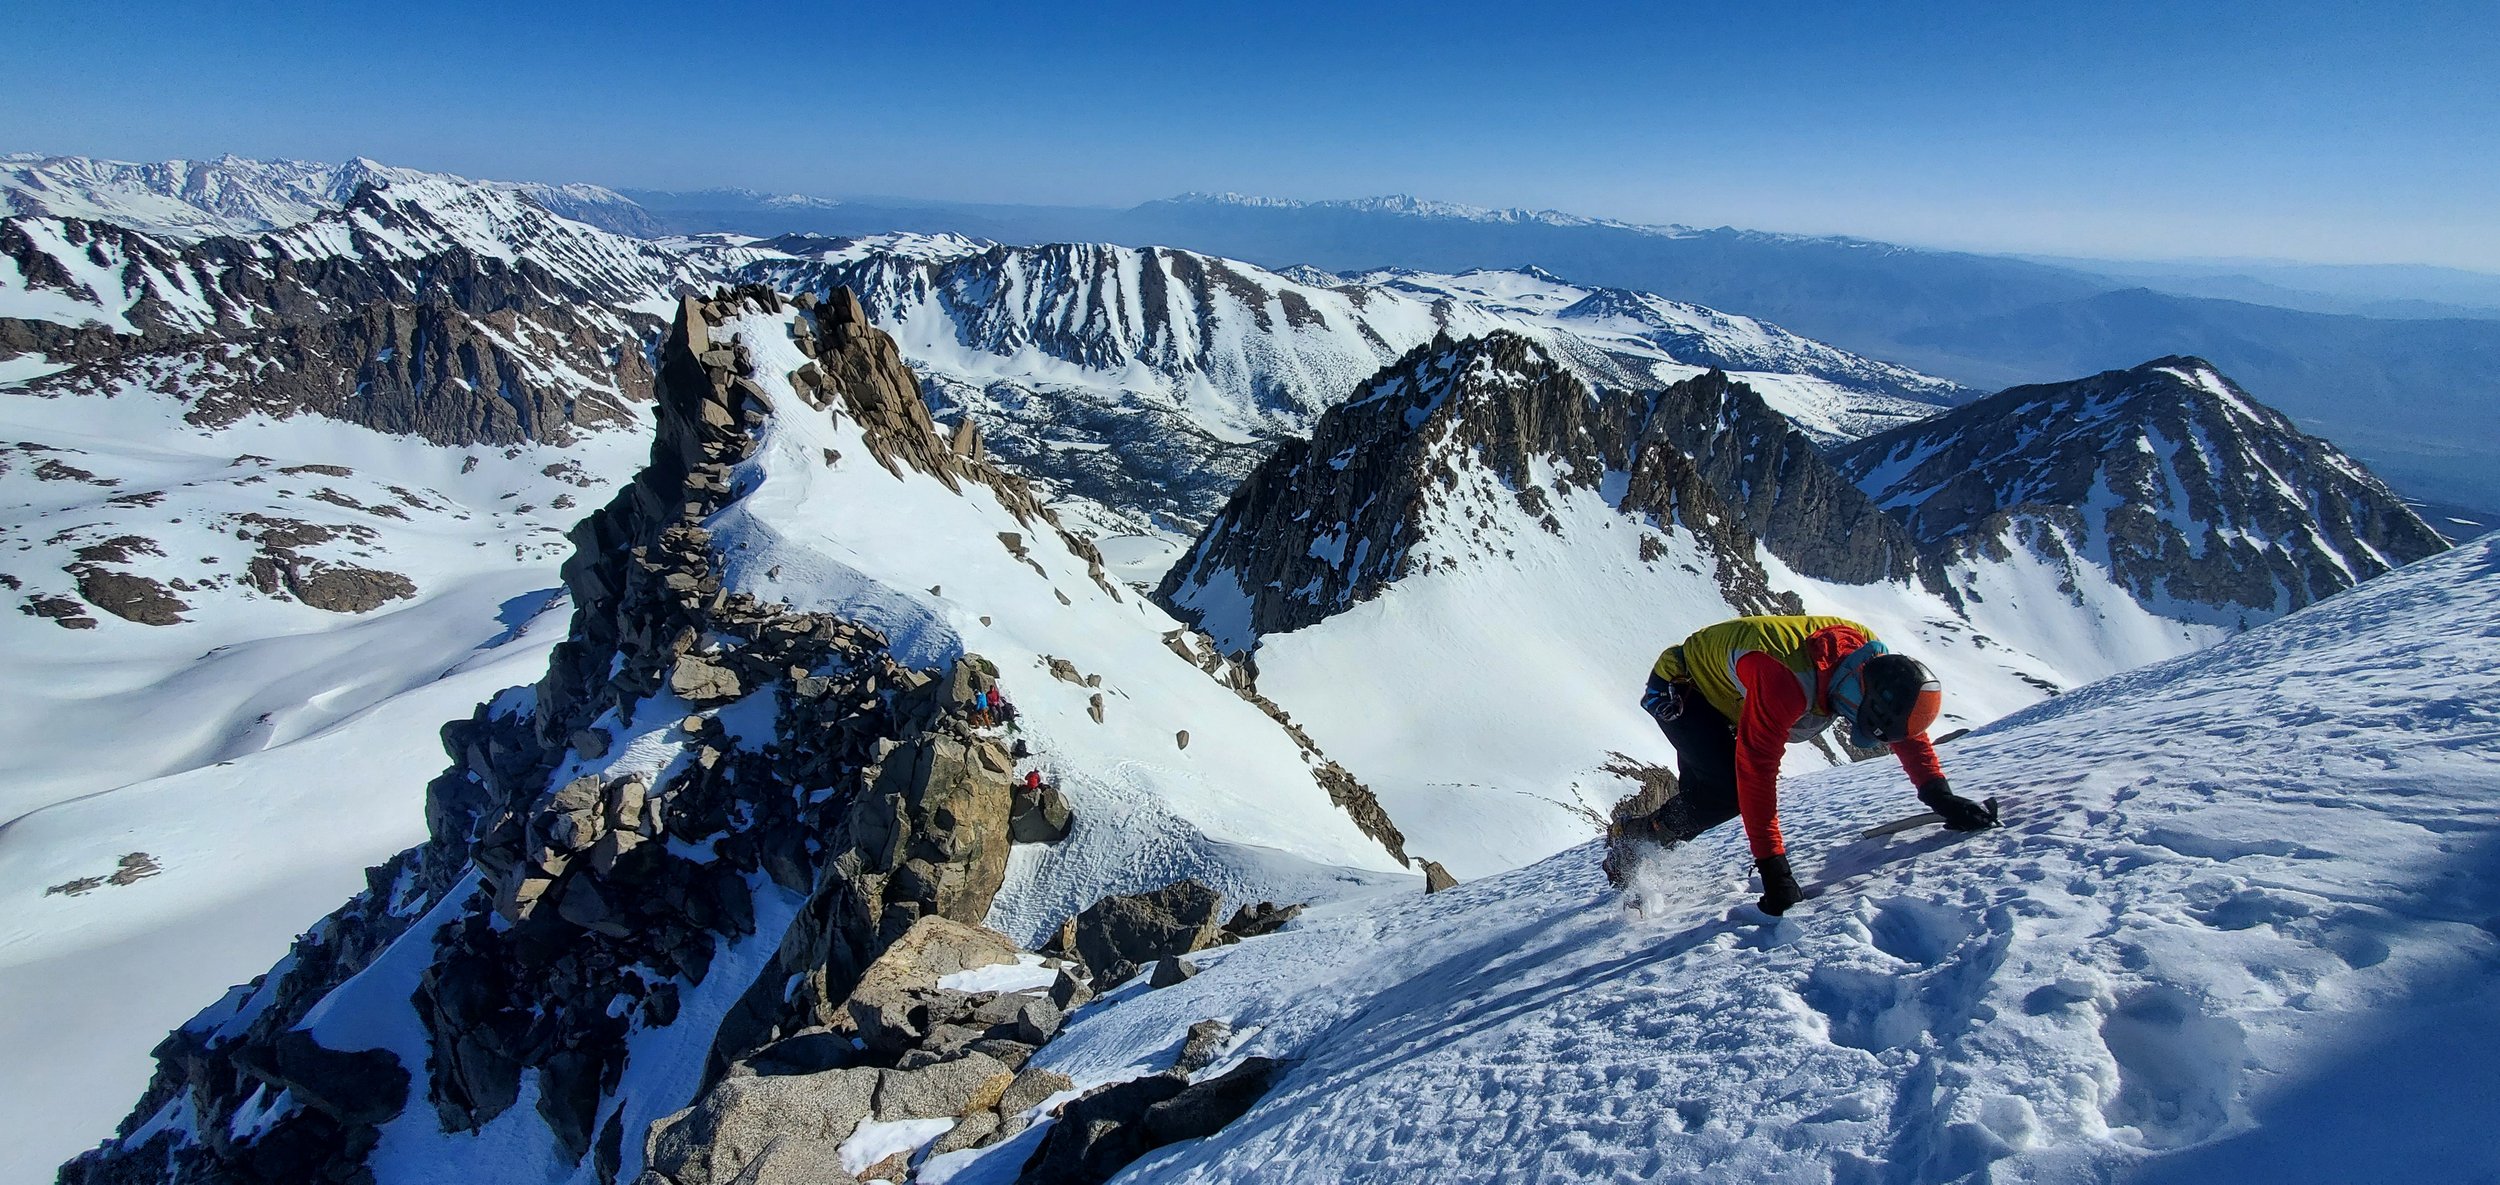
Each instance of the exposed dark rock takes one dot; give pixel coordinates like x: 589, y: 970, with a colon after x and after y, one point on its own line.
x: 1204, y: 1108
x: 129, y: 596
x: 61, y: 611
x: 1266, y: 917
x: 1171, y: 971
x: 1437, y: 878
x: 1107, y: 1129
x: 1099, y: 1133
x: 343, y: 588
x: 1803, y: 508
x: 1119, y: 936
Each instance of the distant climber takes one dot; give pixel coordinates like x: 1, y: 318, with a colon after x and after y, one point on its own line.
x: 1731, y: 698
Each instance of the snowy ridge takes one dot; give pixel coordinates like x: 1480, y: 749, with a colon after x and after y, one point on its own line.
x: 2192, y: 955
x: 194, y: 200
x: 75, y: 272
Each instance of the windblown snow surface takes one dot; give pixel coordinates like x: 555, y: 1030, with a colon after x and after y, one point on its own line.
x: 2243, y: 925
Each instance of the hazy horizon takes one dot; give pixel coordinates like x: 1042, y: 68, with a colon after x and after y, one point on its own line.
x: 2303, y: 132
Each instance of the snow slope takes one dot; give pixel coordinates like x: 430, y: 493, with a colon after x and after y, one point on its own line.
x: 2243, y: 925
x: 262, y: 752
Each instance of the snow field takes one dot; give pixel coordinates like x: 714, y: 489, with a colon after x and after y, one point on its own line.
x: 262, y: 753
x: 2243, y: 925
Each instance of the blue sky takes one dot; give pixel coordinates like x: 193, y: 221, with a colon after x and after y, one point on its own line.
x: 2329, y: 132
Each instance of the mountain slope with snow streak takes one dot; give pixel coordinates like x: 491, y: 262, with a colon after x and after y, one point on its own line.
x: 2193, y: 496
x: 2243, y: 925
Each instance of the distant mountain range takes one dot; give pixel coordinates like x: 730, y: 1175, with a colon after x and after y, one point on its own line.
x: 2407, y: 393
x: 2392, y: 388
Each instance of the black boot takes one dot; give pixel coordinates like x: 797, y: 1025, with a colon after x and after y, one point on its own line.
x: 1779, y: 885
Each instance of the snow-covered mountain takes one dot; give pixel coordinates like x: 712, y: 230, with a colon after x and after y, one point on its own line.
x: 1466, y: 572
x: 1154, y: 378
x: 191, y: 200
x: 331, y: 459
x: 2190, y: 494
x: 641, y: 938
x: 758, y: 759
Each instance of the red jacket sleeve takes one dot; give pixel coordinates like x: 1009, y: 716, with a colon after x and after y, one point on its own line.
x: 1918, y: 759
x: 1773, y: 705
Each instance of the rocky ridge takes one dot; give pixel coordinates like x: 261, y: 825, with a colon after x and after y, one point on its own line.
x: 459, y: 314
x: 713, y: 810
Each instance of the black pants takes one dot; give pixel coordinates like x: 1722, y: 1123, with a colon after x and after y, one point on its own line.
x: 1705, y: 769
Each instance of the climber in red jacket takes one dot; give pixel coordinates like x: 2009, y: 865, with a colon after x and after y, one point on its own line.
x: 1731, y: 698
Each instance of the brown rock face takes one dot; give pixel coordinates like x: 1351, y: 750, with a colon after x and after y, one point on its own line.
x: 129, y: 596
x: 344, y: 588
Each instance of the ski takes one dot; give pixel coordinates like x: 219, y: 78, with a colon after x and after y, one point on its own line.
x: 1920, y: 819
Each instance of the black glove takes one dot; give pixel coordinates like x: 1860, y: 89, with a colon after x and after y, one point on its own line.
x: 1779, y: 885
x: 1960, y: 814
x: 1663, y: 700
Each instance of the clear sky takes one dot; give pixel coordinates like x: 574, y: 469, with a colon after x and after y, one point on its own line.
x: 2334, y: 132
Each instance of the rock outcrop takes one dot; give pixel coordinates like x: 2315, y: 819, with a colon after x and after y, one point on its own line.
x: 1110, y: 1127
x: 1120, y: 936
x: 713, y: 811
